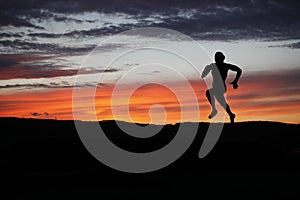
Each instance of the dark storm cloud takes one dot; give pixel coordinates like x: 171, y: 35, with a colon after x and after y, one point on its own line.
x: 21, y: 17
x: 9, y: 19
x: 9, y: 35
x: 86, y: 33
x: 99, y: 31
x: 134, y: 7
x: 46, y: 15
x: 242, y: 20
x: 211, y: 20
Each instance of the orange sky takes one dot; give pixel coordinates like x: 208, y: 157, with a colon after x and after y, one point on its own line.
x: 258, y: 98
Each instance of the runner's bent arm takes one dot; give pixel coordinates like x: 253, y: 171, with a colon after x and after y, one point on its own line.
x: 238, y: 72
x: 206, y: 71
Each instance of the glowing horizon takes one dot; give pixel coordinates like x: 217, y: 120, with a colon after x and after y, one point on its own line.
x: 253, y: 101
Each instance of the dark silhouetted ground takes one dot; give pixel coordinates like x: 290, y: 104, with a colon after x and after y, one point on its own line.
x: 45, y: 159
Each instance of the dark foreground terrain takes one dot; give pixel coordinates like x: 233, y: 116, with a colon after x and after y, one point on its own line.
x: 45, y: 159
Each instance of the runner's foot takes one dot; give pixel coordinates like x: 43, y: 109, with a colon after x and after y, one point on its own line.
x: 232, y: 116
x: 212, y: 114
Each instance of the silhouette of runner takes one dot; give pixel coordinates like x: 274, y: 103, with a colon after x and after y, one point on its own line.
x: 219, y: 72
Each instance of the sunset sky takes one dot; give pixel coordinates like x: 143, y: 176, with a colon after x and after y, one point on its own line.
x: 43, y: 44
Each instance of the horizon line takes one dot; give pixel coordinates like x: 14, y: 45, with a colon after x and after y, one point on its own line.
x: 123, y: 121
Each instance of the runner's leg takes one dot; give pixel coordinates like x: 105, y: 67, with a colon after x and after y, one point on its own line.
x: 211, y: 99
x: 221, y: 99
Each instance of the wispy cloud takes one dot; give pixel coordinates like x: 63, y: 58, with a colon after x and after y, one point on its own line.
x: 27, y: 67
x: 25, y: 46
x: 294, y: 45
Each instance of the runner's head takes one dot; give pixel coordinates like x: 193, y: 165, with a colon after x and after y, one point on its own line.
x: 219, y: 57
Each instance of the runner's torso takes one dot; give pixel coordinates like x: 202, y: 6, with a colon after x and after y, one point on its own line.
x: 219, y: 74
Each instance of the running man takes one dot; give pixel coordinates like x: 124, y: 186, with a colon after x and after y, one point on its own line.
x: 219, y: 71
